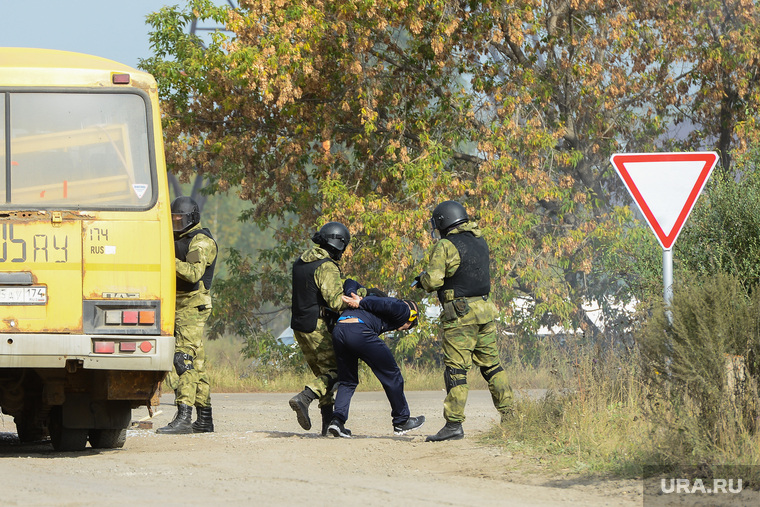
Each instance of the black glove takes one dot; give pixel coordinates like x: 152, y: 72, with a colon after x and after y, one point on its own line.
x: 416, y: 282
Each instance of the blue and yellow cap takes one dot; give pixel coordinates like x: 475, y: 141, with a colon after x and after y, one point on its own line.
x: 414, y: 312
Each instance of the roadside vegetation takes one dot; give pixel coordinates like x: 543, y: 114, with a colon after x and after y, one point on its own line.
x: 649, y: 396
x: 371, y: 112
x: 683, y: 398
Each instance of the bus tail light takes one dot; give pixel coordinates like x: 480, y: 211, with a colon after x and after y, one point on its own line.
x: 129, y: 347
x: 147, y: 317
x: 104, y: 347
x: 130, y: 317
x: 121, y: 317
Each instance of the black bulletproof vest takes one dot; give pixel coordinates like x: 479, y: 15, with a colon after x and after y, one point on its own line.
x: 307, y: 298
x: 473, y: 277
x: 181, y: 246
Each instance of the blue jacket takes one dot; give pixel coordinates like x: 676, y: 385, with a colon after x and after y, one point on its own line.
x: 379, y: 314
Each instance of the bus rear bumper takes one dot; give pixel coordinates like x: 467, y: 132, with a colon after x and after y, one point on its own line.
x: 97, y: 352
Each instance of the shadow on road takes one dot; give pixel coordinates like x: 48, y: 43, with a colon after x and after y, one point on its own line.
x: 12, y: 447
x: 291, y: 434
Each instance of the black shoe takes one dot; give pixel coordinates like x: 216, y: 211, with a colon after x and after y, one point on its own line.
x: 337, y: 429
x: 410, y: 424
x: 300, y: 404
x: 327, y: 412
x: 204, y: 423
x: 451, y: 431
x: 181, y: 424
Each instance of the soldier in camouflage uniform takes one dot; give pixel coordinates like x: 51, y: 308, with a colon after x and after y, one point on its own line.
x: 459, y: 271
x: 195, y: 252
x: 317, y: 301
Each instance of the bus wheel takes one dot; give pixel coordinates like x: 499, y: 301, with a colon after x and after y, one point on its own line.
x: 28, y: 431
x: 62, y: 438
x: 108, y: 439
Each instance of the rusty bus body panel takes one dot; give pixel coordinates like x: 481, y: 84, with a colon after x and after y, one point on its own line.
x: 86, y: 248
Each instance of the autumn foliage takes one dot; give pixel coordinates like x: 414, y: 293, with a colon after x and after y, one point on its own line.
x: 370, y: 112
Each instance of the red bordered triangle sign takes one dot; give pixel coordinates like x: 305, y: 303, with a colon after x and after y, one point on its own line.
x: 665, y: 186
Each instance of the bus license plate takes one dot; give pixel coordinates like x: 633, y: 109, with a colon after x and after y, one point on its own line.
x: 23, y: 295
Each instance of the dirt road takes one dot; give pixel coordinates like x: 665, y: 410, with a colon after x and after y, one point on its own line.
x: 260, y: 456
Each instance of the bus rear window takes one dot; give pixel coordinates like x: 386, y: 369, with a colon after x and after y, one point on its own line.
x: 76, y: 150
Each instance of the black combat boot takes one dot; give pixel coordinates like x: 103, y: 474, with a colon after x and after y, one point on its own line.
x: 204, y: 423
x: 327, y: 411
x: 300, y: 405
x: 452, y: 431
x: 181, y: 424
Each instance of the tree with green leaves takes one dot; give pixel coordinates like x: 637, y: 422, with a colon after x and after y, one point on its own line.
x: 370, y: 112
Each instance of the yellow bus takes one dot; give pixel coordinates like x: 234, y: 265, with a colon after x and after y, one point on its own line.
x: 87, y: 279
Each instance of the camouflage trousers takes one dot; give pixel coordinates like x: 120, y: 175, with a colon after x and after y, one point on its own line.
x: 463, y: 346
x: 317, y: 348
x: 192, y: 387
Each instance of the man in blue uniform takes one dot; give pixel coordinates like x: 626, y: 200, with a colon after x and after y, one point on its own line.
x: 356, y: 336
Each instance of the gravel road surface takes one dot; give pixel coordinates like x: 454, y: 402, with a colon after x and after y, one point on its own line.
x: 259, y: 455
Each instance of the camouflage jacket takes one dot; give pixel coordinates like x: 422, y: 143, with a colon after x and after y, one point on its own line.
x: 202, y: 251
x: 327, y: 277
x: 443, y: 263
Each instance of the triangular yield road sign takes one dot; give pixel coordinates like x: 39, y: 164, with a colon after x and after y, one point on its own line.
x: 665, y: 186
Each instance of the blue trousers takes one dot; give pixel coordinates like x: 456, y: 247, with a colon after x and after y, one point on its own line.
x: 356, y: 341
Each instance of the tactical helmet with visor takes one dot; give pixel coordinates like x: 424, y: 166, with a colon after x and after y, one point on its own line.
x: 185, y: 214
x: 333, y: 237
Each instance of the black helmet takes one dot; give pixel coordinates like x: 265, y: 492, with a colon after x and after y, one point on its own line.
x: 448, y: 214
x: 333, y: 237
x: 185, y: 214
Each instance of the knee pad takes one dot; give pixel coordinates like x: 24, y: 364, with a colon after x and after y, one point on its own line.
x: 451, y: 382
x: 489, y: 371
x: 179, y: 362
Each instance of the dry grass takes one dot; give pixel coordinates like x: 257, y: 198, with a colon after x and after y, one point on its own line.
x: 589, y: 422
x: 593, y: 421
x: 230, y: 372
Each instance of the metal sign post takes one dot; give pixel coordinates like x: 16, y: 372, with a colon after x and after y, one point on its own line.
x: 667, y: 281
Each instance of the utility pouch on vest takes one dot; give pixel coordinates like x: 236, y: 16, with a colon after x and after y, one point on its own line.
x: 452, y: 310
x: 448, y: 311
x: 461, y: 307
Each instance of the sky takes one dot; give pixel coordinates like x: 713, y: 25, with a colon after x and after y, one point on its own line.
x: 110, y: 29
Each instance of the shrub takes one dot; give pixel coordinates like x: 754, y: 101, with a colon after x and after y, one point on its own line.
x: 723, y: 232
x: 702, y: 373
